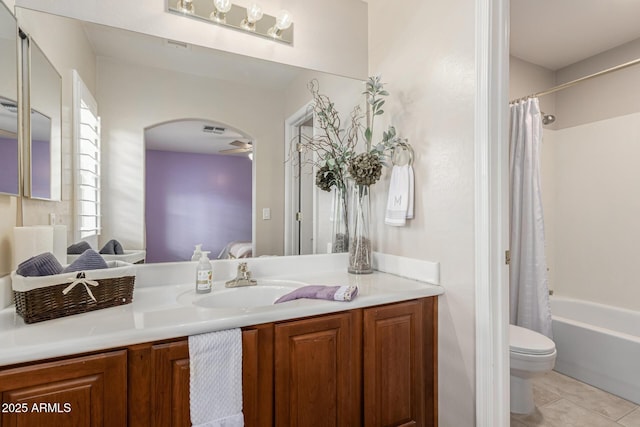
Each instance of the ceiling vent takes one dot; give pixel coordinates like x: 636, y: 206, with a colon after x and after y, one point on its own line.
x: 10, y: 106
x: 213, y: 129
x: 177, y: 45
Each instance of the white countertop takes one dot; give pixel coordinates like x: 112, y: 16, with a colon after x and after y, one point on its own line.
x: 156, y: 313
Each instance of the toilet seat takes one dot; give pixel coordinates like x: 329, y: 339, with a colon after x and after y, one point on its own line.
x: 527, y: 342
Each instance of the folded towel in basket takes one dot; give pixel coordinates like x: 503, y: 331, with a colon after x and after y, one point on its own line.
x: 89, y: 260
x: 45, y: 264
x: 112, y: 247
x: 78, y: 248
x: 331, y: 293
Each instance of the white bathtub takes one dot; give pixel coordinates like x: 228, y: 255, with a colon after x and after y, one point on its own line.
x: 598, y: 344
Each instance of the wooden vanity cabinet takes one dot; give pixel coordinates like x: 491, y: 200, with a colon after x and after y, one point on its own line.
x: 374, y: 367
x: 79, y: 391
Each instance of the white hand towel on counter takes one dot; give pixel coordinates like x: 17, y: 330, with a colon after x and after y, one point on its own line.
x: 216, y: 379
x: 399, y: 198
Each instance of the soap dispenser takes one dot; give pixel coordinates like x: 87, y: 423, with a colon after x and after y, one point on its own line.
x: 197, y: 253
x: 204, y: 274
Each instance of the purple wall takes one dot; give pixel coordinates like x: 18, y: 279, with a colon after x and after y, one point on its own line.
x: 195, y: 198
x: 8, y: 165
x: 41, y: 169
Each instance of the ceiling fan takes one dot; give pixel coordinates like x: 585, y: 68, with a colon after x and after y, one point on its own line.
x: 243, y: 147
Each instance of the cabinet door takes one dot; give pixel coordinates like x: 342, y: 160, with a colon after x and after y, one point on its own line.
x: 398, y: 365
x: 318, y: 371
x: 84, y: 391
x: 159, y: 381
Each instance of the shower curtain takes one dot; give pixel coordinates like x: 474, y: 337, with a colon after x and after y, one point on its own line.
x: 528, y: 282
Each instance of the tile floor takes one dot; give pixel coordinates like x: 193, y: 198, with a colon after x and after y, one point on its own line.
x: 562, y: 401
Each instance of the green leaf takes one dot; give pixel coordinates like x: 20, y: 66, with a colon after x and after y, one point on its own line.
x: 379, y: 112
x: 383, y: 93
x: 368, y: 134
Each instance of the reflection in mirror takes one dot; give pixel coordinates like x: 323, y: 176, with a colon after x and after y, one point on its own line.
x: 142, y: 81
x: 40, y: 155
x: 9, y: 158
x: 205, y: 166
x: 45, y: 92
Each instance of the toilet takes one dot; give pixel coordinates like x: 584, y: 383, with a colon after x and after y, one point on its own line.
x: 531, y: 354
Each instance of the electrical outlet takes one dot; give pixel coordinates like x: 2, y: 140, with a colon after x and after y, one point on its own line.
x: 52, y: 218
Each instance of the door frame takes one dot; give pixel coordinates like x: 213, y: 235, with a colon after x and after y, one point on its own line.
x: 492, y: 213
x: 291, y: 125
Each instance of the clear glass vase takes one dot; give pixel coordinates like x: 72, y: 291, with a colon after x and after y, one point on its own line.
x: 360, y: 253
x: 340, y: 234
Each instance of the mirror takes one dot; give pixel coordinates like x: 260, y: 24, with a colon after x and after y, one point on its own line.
x: 144, y: 81
x: 9, y: 158
x: 45, y: 100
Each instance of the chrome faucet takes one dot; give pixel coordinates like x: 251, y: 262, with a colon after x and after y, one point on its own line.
x: 243, y: 277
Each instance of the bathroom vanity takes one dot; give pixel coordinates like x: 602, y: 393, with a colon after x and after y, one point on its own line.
x: 372, y: 361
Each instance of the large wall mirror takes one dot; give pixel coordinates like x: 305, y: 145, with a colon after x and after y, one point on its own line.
x: 9, y: 147
x: 43, y: 172
x: 140, y: 82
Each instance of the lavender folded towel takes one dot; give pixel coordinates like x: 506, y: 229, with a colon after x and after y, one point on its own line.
x: 44, y: 264
x: 112, y: 247
x: 331, y: 293
x: 89, y: 260
x: 78, y: 248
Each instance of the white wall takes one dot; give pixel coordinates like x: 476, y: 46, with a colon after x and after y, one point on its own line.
x: 133, y: 97
x: 597, y: 207
x: 330, y: 35
x: 425, y: 51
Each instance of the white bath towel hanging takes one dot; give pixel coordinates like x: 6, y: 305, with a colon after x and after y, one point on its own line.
x: 216, y: 379
x: 398, y: 198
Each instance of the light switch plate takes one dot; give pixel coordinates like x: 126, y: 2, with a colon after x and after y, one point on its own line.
x: 266, y: 213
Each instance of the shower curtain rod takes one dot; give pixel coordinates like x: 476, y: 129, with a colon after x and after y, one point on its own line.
x: 580, y: 80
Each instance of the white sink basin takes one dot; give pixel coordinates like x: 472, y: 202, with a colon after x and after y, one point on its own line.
x: 265, y: 293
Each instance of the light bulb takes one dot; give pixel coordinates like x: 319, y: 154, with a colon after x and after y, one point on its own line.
x: 254, y: 13
x: 283, y: 20
x: 222, y: 6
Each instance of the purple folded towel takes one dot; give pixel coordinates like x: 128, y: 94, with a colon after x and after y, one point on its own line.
x: 331, y: 293
x: 112, y: 247
x: 78, y: 248
x: 44, y: 264
x: 89, y: 260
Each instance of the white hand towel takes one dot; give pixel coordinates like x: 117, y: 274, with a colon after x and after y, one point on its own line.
x: 411, y: 193
x: 216, y: 379
x: 398, y: 198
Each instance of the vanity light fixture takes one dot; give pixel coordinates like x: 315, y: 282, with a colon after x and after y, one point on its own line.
x: 249, y: 20
x: 254, y: 14
x: 283, y: 21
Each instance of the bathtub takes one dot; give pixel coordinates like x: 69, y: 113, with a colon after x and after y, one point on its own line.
x: 598, y: 344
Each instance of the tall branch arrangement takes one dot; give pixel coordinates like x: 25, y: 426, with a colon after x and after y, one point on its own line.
x: 335, y: 146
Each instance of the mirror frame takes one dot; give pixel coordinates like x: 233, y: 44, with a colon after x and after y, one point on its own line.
x: 18, y: 100
x: 26, y: 110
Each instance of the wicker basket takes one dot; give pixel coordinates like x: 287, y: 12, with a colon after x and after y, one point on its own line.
x: 51, y: 297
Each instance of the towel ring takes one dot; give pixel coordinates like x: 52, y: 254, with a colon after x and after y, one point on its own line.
x: 404, y: 156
